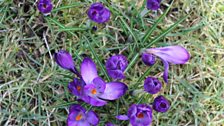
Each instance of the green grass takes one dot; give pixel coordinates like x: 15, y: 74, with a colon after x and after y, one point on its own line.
x: 33, y: 89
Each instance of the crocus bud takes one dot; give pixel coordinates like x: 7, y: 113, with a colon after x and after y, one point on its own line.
x: 148, y: 59
x: 65, y: 61
x: 45, y: 6
x: 98, y: 13
x: 116, y: 66
x: 152, y: 85
x: 153, y: 4
x: 161, y: 104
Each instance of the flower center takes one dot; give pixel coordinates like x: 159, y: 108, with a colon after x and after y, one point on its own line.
x: 93, y: 91
x: 140, y: 115
x: 45, y: 6
x: 94, y: 13
x: 78, y: 117
x: 78, y: 88
x: 163, y: 105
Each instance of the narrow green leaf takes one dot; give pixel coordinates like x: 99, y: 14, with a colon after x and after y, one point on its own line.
x: 78, y: 4
x: 132, y: 62
x: 3, y: 11
x: 146, y: 73
x: 72, y: 29
x: 129, y: 29
x: 150, y: 30
x: 166, y: 31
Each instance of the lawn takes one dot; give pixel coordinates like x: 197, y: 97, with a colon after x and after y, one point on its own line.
x: 33, y: 88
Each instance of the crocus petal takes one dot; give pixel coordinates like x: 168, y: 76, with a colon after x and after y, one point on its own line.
x: 116, y: 65
x: 166, y: 70
x: 74, y: 110
x: 172, y: 54
x: 76, y: 87
x: 100, y: 84
x: 122, y: 117
x: 116, y: 74
x: 76, y: 107
x: 94, y: 101
x: 78, y: 123
x: 114, y: 90
x: 146, y: 121
x: 92, y: 118
x: 88, y: 70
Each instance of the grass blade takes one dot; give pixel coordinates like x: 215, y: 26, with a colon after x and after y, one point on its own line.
x: 150, y: 30
x: 146, y: 73
x: 72, y: 29
x: 78, y: 4
x: 129, y: 29
x: 132, y: 62
x: 166, y: 31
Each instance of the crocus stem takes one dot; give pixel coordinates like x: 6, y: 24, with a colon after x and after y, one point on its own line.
x: 75, y: 71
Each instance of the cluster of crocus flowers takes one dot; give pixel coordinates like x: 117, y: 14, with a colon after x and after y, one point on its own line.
x: 45, y: 6
x: 89, y: 87
x: 141, y: 114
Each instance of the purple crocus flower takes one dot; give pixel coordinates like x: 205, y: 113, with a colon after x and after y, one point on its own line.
x: 161, y: 104
x: 78, y: 116
x: 98, y: 13
x: 152, y: 85
x: 76, y: 87
x: 116, y: 65
x: 170, y: 54
x: 45, y: 6
x: 65, y: 61
x: 153, y: 4
x: 139, y: 115
x: 148, y: 59
x: 96, y: 90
